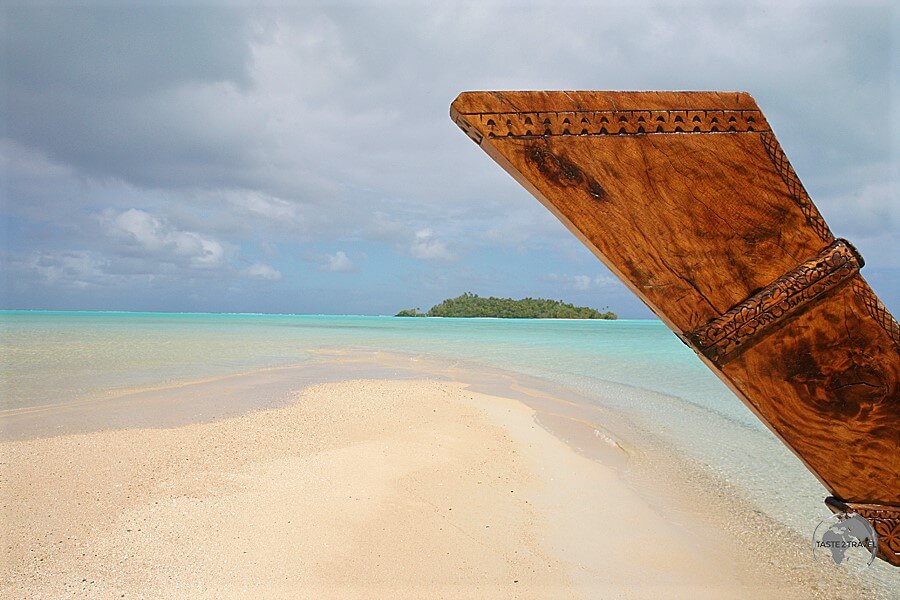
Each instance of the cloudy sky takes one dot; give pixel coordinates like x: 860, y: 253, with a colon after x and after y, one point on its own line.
x: 299, y: 158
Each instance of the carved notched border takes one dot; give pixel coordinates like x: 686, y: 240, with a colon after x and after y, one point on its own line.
x: 615, y: 122
x: 795, y: 186
x: 877, y: 311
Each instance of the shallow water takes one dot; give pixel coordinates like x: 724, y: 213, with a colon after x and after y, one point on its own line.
x: 638, y: 369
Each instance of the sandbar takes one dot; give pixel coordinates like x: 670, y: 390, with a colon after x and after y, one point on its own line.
x: 362, y: 489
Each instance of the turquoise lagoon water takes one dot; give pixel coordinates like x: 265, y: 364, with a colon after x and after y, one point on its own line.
x: 54, y: 356
x: 638, y: 369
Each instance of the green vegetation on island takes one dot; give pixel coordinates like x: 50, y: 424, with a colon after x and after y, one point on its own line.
x: 473, y: 305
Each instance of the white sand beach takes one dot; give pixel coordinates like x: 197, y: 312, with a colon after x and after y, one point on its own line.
x: 360, y: 489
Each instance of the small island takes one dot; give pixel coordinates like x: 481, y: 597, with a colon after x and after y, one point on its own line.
x: 473, y: 305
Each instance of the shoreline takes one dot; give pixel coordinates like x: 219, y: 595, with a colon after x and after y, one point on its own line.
x: 580, y: 447
x: 209, y: 398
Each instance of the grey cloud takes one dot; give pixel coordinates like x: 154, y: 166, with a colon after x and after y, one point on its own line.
x: 142, y: 234
x: 78, y: 270
x: 128, y: 51
x: 88, y: 83
x: 339, y: 262
x: 426, y: 246
x: 420, y: 242
x: 582, y: 283
x: 329, y: 121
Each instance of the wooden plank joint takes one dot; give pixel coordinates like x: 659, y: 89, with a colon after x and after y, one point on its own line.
x: 753, y: 317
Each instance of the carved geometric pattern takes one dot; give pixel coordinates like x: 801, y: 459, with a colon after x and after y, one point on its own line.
x: 617, y: 122
x: 795, y: 187
x: 878, y: 311
x: 752, y: 317
x: 885, y: 520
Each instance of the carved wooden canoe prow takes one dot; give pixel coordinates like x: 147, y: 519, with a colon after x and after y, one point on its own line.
x: 689, y: 199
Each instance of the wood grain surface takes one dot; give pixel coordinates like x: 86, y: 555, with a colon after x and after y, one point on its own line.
x: 690, y: 200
